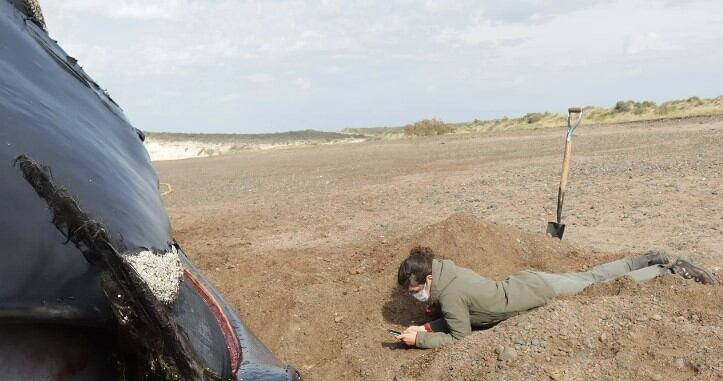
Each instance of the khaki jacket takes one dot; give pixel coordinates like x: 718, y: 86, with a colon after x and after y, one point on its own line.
x: 469, y: 300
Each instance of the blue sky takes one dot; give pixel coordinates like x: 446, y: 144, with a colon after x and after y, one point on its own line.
x: 268, y: 66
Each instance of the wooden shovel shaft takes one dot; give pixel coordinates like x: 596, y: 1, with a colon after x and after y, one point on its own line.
x: 563, y: 178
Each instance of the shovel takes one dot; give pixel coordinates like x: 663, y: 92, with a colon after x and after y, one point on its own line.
x: 557, y: 229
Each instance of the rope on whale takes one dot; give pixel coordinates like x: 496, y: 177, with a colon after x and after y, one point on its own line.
x: 167, y: 191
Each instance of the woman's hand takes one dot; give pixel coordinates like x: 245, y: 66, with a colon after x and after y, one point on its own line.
x: 414, y: 328
x: 408, y: 337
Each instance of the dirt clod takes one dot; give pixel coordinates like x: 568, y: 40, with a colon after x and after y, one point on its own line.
x: 679, y: 363
x: 507, y: 354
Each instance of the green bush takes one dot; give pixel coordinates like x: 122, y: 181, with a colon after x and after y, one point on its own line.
x: 663, y: 109
x: 694, y: 100
x: 533, y: 117
x: 648, y: 104
x: 624, y: 106
x: 427, y: 127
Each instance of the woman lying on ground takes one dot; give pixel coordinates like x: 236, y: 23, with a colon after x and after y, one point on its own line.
x: 468, y: 300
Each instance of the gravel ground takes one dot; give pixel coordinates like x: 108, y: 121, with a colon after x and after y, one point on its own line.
x: 304, y: 244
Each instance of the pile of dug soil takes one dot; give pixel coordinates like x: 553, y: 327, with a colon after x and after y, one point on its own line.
x: 666, y: 329
x: 496, y: 251
x: 327, y: 310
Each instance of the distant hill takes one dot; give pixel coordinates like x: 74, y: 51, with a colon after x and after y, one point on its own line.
x: 170, y: 146
x: 622, y: 111
x: 270, y: 138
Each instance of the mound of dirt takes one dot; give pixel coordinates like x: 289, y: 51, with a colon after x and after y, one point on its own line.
x: 328, y: 312
x: 665, y: 329
x: 496, y: 251
x: 619, y: 330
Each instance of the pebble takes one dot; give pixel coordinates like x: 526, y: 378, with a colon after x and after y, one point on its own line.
x: 656, y: 317
x: 679, y: 363
x: 507, y: 354
x: 338, y: 319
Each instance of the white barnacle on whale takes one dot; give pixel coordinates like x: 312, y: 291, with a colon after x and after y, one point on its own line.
x: 160, y: 271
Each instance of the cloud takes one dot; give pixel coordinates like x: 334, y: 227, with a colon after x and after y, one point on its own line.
x: 302, y: 83
x: 197, y: 33
x: 605, y: 32
x: 637, y: 43
x: 486, y: 33
x: 136, y: 9
x: 385, y: 50
x: 333, y: 69
x: 261, y: 78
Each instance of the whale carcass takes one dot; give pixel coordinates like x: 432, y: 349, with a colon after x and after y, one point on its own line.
x: 92, y: 284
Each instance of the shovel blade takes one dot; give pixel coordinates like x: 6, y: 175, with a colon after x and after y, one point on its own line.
x: 555, y: 230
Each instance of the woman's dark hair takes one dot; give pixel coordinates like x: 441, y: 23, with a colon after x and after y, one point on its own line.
x: 415, y: 268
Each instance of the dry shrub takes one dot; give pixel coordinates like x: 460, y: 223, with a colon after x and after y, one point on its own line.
x: 695, y: 101
x: 427, y: 127
x: 634, y: 107
x: 624, y: 106
x: 534, y: 117
x: 648, y: 104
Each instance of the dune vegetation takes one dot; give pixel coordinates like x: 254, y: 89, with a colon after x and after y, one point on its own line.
x: 168, y: 146
x: 622, y: 112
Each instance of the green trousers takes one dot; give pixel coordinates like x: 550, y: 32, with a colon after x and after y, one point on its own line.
x: 574, y: 282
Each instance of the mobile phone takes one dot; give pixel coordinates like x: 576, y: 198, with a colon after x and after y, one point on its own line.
x: 394, y: 333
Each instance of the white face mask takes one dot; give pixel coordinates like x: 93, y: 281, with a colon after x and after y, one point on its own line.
x: 422, y: 295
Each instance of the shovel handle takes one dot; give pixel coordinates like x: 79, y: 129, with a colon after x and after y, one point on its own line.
x: 563, y: 178
x: 572, y: 125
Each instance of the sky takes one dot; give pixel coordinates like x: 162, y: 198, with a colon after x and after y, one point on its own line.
x: 277, y: 65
